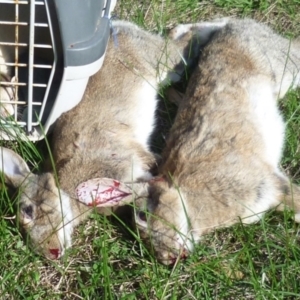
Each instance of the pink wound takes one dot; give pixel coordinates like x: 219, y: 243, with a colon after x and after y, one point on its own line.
x: 102, y: 192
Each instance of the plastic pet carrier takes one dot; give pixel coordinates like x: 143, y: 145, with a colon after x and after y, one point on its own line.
x: 48, y: 50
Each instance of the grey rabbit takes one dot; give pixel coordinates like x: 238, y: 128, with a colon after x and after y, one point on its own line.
x: 221, y: 160
x: 105, y: 135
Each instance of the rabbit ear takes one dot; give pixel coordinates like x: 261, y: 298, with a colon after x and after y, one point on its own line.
x: 106, y: 192
x: 13, y: 167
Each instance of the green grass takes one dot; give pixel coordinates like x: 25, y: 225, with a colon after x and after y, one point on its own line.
x: 260, y: 261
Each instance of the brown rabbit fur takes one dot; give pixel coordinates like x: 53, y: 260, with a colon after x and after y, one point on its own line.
x: 106, y: 135
x: 7, y: 91
x: 7, y: 95
x: 221, y: 161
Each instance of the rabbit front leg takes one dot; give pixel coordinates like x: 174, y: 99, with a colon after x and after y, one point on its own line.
x: 202, y: 30
x: 201, y: 33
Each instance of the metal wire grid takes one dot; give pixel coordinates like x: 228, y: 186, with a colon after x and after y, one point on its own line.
x: 29, y: 112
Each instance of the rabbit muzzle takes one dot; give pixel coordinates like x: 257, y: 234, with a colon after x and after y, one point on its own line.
x: 55, y: 253
x: 54, y: 247
x: 51, y: 247
x: 171, y: 258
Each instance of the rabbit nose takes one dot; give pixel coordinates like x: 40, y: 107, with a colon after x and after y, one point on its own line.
x: 184, y: 253
x: 172, y: 258
x: 55, y: 253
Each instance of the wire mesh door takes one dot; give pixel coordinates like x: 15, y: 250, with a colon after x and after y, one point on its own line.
x: 28, y: 62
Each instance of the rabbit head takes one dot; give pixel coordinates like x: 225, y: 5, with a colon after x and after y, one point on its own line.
x: 159, y: 212
x: 162, y: 221
x: 42, y: 210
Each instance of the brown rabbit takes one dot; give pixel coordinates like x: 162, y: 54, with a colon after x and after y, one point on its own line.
x: 221, y: 161
x: 106, y: 135
x: 7, y: 90
x: 7, y: 95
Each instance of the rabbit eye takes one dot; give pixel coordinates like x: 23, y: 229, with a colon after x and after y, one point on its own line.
x: 28, y: 211
x: 142, y: 216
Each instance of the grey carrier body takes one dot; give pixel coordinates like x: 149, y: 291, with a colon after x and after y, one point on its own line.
x: 48, y: 50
